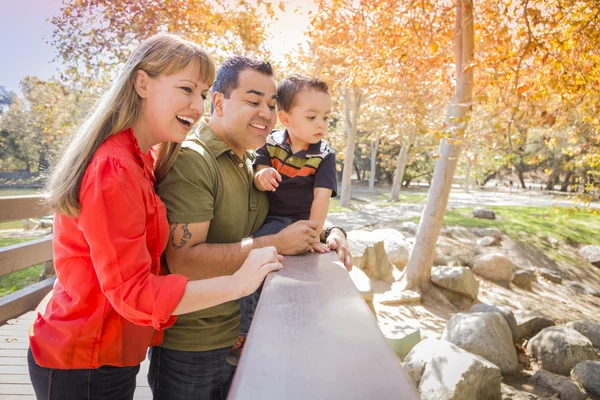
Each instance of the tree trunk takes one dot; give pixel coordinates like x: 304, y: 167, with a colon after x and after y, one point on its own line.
x: 418, y: 269
x: 352, y: 100
x: 567, y: 181
x: 402, y: 161
x: 374, y: 148
x: 357, y: 169
x: 553, y: 175
x: 489, y: 178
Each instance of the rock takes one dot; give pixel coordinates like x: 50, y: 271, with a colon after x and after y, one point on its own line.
x: 484, y: 334
x: 362, y: 283
x: 578, y: 287
x: 494, y: 266
x: 488, y: 241
x: 396, y: 297
x: 459, y: 232
x: 591, y: 253
x: 558, y: 349
x: 567, y: 389
x: 491, y: 232
x: 409, y: 227
x: 588, y: 374
x: 530, y: 323
x: 483, y: 213
x: 504, y: 311
x: 550, y: 275
x: 442, y: 370
x: 589, y: 329
x: 456, y: 279
x: 522, y: 279
x: 395, y: 247
x: 29, y: 224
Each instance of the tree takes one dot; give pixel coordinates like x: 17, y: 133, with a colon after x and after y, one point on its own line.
x: 418, y: 270
x: 35, y: 128
x: 93, y: 38
x: 6, y: 99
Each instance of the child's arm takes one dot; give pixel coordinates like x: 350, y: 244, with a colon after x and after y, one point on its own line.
x: 318, y: 212
x: 266, y: 178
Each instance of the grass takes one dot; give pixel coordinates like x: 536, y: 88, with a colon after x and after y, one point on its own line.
x: 383, y: 200
x: 18, y: 280
x: 536, y: 226
x: 11, y: 225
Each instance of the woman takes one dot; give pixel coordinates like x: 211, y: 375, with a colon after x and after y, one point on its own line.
x: 111, y: 228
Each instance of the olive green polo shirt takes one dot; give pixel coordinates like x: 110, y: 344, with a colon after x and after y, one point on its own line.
x: 209, y: 182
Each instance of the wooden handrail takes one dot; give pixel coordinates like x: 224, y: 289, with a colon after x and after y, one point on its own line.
x: 19, y: 256
x: 23, y: 255
x: 24, y: 300
x: 313, y: 337
x: 21, y: 207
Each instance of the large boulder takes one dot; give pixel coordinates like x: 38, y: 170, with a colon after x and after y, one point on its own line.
x: 488, y: 241
x: 444, y: 371
x: 566, y: 388
x: 588, y: 374
x: 591, y: 253
x: 522, y: 279
x: 484, y: 334
x: 530, y: 323
x: 581, y: 288
x: 550, y: 275
x: 493, y: 266
x: 456, y: 279
x: 483, y: 213
x: 506, y: 313
x: 396, y: 246
x: 589, y: 329
x: 558, y: 349
x: 409, y: 227
x: 489, y: 232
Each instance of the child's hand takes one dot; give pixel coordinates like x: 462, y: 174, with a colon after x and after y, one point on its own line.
x: 319, y: 248
x: 267, y: 179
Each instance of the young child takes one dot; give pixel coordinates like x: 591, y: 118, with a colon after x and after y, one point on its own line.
x: 297, y: 168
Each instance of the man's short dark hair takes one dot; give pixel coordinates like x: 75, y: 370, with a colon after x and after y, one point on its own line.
x: 227, y: 79
x: 289, y: 87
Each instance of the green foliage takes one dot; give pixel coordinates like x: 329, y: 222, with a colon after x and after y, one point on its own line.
x: 34, y: 130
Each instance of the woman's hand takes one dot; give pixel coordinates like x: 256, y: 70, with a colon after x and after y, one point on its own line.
x: 252, y: 273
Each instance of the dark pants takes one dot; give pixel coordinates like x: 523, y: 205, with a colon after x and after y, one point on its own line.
x: 272, y: 225
x: 185, y: 375
x: 104, y: 383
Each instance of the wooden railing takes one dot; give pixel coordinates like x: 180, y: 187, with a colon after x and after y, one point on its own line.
x: 314, y: 337
x: 23, y: 255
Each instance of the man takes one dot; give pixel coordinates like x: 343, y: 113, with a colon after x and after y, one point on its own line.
x: 214, y: 208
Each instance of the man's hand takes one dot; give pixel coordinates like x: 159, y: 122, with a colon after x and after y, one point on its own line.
x: 297, y: 238
x: 337, y: 241
x: 267, y: 179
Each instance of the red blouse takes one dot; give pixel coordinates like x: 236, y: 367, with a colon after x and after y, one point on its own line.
x: 108, y: 298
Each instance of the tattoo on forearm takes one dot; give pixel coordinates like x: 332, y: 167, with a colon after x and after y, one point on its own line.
x: 185, y: 236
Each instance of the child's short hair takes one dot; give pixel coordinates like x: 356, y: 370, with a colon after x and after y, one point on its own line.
x: 289, y: 87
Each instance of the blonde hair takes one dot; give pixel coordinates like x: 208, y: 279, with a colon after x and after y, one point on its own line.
x: 118, y: 109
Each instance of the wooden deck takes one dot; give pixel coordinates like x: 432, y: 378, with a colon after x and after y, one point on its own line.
x: 14, y: 376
